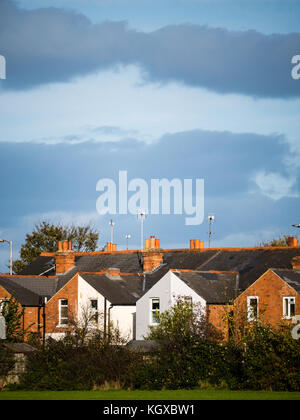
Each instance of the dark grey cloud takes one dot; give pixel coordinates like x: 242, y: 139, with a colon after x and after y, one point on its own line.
x: 52, y: 45
x: 48, y: 178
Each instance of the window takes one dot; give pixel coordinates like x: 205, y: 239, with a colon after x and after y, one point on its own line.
x: 63, y: 312
x: 252, y: 308
x: 188, y: 299
x: 94, y: 310
x: 154, y: 310
x: 288, y: 307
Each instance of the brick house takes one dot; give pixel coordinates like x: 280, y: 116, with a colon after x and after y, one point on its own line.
x: 56, y: 286
x: 274, y: 297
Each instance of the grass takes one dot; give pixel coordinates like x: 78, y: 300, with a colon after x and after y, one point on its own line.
x: 149, y: 395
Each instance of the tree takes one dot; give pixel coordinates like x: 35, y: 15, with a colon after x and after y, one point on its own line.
x: 183, y: 325
x: 188, y: 348
x: 45, y: 237
x: 13, y: 314
x: 281, y: 241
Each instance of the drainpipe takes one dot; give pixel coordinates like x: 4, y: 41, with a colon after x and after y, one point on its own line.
x: 44, y: 320
x: 23, y: 310
x: 110, y: 307
x: 39, y: 321
x: 105, y: 310
x: 144, y: 281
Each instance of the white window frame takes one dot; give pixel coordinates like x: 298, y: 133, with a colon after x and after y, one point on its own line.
x: 94, y: 311
x: 289, y: 300
x: 250, y: 315
x: 60, y: 306
x: 153, y: 311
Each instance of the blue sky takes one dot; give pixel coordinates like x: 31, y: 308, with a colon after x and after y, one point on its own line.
x: 174, y: 89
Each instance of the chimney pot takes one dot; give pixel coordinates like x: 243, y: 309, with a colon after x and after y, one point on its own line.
x: 157, y: 244
x: 114, y: 247
x: 292, y: 241
x: 108, y: 246
x: 147, y: 243
x: 152, y: 241
x: 192, y: 244
x: 60, y: 246
x: 197, y: 243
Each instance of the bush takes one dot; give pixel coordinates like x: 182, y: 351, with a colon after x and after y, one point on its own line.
x: 62, y: 366
x: 271, y: 359
x: 6, y: 361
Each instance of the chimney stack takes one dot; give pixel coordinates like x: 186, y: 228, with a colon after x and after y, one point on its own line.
x: 65, y: 257
x: 196, y: 244
x: 152, y: 254
x: 292, y: 241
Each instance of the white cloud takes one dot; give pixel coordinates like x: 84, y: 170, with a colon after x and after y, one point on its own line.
x: 70, y: 112
x: 275, y: 186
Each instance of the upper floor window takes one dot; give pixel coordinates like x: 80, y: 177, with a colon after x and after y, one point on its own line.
x: 63, y: 312
x: 252, y: 308
x: 188, y: 299
x: 288, y: 307
x: 94, y: 310
x: 154, y: 310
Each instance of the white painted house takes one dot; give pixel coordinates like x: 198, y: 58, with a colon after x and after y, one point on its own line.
x: 161, y: 297
x: 110, y: 297
x: 200, y: 287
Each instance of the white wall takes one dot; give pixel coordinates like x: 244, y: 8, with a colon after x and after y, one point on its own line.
x: 121, y: 316
x: 124, y: 318
x: 168, y: 289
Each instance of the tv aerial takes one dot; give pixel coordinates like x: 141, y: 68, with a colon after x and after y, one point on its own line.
x: 141, y: 215
x: 211, y: 219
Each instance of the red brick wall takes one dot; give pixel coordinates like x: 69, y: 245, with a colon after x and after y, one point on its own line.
x: 270, y: 290
x: 4, y: 293
x: 218, y: 317
x: 70, y: 292
x: 30, y: 313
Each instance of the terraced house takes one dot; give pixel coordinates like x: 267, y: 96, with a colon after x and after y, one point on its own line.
x: 127, y: 288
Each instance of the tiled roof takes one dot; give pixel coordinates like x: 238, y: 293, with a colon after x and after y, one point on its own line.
x: 211, y: 286
x: 127, y: 290
x: 25, y: 296
x: 291, y: 277
x: 250, y: 263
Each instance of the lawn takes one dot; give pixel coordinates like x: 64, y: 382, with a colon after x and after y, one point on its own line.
x: 149, y: 395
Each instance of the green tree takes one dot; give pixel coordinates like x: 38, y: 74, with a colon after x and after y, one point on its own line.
x: 187, y: 349
x: 281, y: 241
x: 45, y: 237
x: 13, y: 314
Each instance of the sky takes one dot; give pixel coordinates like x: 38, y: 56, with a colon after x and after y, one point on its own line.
x: 175, y: 89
